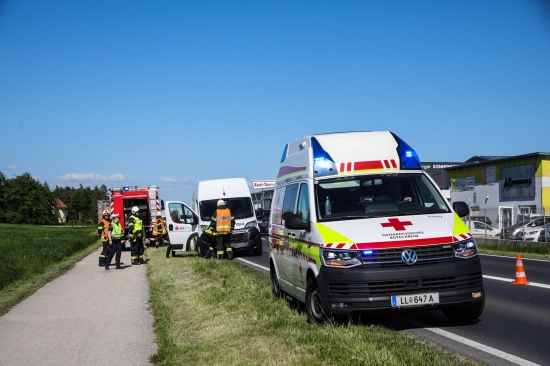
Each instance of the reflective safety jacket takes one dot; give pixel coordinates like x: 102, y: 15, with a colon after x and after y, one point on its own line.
x: 116, y: 232
x: 102, y: 229
x: 159, y: 227
x: 135, y: 225
x: 223, y: 222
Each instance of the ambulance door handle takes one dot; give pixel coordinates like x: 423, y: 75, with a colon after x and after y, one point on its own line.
x: 291, y: 234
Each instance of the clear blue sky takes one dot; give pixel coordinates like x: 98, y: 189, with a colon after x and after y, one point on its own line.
x: 150, y: 92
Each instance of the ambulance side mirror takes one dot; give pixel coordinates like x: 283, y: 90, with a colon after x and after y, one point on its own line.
x: 461, y: 209
x: 294, y: 222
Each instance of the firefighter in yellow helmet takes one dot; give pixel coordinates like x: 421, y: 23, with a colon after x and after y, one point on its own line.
x: 223, y: 224
x: 103, y: 231
x: 135, y: 233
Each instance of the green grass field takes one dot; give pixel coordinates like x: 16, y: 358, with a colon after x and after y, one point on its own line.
x: 33, y: 256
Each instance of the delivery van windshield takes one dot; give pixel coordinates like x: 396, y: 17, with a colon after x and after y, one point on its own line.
x: 377, y: 195
x: 241, y: 208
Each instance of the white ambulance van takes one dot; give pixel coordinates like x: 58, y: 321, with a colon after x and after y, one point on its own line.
x: 235, y: 192
x: 357, y: 226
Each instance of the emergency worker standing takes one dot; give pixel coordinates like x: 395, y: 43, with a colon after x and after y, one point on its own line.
x: 159, y: 230
x: 103, y: 231
x: 135, y: 227
x: 115, y: 241
x: 223, y: 224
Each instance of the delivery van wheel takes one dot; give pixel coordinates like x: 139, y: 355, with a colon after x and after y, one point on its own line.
x: 275, y: 286
x: 314, y: 309
x: 192, y: 245
x: 258, y: 249
x: 200, y: 248
x: 464, y: 315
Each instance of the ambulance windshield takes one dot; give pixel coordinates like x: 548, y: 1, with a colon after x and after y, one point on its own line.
x: 377, y: 195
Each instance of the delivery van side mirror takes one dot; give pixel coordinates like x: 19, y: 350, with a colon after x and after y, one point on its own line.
x: 195, y: 220
x: 294, y: 222
x: 461, y: 209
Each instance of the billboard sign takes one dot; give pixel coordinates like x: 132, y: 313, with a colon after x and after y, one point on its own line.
x: 263, y: 184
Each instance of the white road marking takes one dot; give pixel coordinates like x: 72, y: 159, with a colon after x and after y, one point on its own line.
x: 511, y: 280
x: 253, y: 264
x: 490, y: 350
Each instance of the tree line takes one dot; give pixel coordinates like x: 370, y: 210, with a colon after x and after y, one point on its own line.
x: 24, y: 200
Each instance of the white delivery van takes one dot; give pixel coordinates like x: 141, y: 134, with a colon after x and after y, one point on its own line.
x: 246, y: 235
x: 181, y: 227
x: 357, y: 226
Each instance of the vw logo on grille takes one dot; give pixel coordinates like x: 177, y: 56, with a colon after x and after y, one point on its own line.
x: 408, y: 256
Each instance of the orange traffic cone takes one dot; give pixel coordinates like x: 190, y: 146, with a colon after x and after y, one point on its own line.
x: 520, y: 273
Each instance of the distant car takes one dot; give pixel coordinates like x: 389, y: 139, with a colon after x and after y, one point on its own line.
x: 513, y: 232
x: 483, y: 219
x: 481, y: 228
x: 536, y: 234
x: 263, y: 219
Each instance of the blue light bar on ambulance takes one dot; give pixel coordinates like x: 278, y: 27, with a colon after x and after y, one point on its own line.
x: 284, y: 153
x: 408, y: 157
x: 322, y: 162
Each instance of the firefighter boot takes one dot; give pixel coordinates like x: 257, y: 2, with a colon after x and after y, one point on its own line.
x: 101, y: 262
x: 208, y: 254
x: 229, y: 254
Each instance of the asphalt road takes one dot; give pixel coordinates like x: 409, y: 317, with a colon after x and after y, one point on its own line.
x: 514, y: 328
x: 88, y: 316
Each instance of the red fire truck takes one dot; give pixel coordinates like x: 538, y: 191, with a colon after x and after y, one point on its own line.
x: 146, y: 199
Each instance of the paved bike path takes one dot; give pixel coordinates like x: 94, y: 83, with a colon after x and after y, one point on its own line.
x: 88, y: 316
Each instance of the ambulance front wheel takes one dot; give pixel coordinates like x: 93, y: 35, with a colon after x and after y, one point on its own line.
x: 465, y: 315
x: 314, y: 309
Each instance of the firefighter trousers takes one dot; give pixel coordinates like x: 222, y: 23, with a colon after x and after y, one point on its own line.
x: 115, y: 248
x: 136, y: 251
x: 104, y: 253
x: 223, y: 246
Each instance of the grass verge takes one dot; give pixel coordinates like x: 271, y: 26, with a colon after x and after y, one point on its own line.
x: 210, y: 312
x: 513, y: 248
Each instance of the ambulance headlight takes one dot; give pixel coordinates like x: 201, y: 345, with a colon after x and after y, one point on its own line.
x: 251, y: 224
x: 341, y: 258
x: 466, y: 248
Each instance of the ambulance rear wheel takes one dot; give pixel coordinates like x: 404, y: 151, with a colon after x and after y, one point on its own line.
x: 275, y: 285
x: 313, y: 305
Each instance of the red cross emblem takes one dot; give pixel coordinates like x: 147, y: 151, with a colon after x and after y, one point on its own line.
x: 396, y: 224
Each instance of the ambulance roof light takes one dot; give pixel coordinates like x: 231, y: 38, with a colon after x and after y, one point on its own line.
x: 284, y: 153
x: 408, y: 157
x: 322, y: 161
